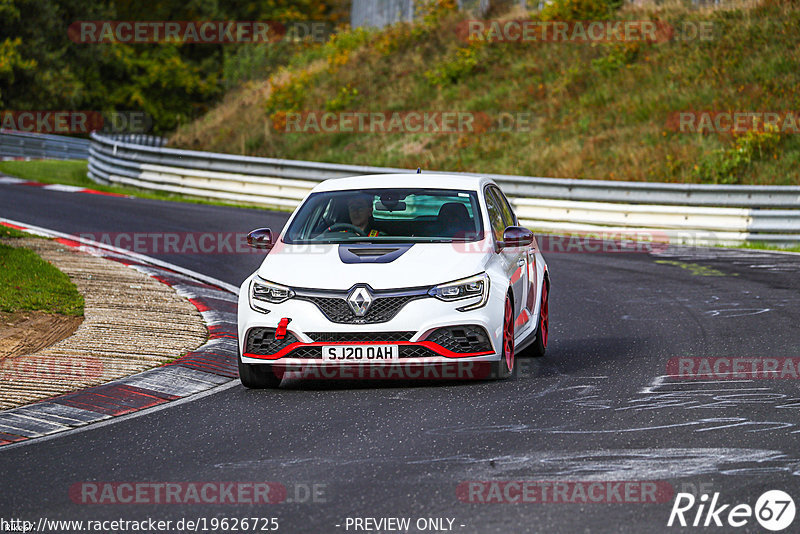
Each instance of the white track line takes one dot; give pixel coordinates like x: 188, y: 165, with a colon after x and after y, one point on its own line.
x: 121, y: 418
x: 144, y: 259
x: 133, y: 255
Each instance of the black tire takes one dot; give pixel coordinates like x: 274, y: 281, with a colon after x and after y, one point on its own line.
x: 260, y: 376
x: 539, y: 346
x: 506, y: 367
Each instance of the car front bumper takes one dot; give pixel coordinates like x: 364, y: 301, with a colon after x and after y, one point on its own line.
x: 418, y: 320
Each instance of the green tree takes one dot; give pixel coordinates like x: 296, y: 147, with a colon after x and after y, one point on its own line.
x: 42, y: 69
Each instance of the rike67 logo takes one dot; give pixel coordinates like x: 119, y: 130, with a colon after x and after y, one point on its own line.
x: 774, y: 510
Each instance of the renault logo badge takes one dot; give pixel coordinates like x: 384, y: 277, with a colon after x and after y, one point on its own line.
x: 359, y: 300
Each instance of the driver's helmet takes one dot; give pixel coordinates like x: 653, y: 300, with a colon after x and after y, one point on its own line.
x: 358, y: 199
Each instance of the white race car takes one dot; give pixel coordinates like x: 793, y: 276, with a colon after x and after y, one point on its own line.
x: 401, y: 270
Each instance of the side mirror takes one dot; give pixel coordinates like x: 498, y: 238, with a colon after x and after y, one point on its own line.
x: 516, y: 236
x: 261, y: 238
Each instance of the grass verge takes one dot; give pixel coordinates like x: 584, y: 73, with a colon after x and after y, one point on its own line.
x: 758, y: 245
x: 27, y: 282
x: 74, y: 172
x: 6, y: 231
x: 68, y: 172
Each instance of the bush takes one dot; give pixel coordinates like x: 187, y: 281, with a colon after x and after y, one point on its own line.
x: 290, y: 95
x: 618, y: 55
x: 254, y: 62
x: 343, y: 100
x: 727, y: 166
x: 453, y: 68
x: 580, y: 9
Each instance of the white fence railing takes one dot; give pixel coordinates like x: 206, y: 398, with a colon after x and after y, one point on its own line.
x: 23, y: 145
x: 680, y: 213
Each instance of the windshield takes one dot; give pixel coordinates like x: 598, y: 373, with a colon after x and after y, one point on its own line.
x: 387, y: 215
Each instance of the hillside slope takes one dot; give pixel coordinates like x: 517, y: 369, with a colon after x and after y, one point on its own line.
x: 604, y: 110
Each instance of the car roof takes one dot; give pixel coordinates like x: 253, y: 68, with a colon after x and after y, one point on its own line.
x: 411, y: 180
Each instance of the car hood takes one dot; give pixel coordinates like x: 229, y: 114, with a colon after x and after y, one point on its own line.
x: 326, y: 267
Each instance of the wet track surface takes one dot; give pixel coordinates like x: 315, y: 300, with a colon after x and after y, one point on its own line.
x: 597, y: 407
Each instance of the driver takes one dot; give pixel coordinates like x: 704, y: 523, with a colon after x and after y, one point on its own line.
x: 359, y: 213
x: 359, y: 209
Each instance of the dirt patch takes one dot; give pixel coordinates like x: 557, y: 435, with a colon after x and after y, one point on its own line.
x: 24, y: 332
x: 132, y: 322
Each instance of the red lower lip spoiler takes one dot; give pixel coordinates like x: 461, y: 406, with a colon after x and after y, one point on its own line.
x: 435, y: 347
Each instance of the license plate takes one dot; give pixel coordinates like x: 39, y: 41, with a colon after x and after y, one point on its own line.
x: 360, y: 353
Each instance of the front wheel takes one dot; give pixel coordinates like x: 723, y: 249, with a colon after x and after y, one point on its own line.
x: 260, y: 376
x: 507, y: 365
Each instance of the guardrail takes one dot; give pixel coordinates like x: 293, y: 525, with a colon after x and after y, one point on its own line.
x: 680, y: 213
x: 14, y: 144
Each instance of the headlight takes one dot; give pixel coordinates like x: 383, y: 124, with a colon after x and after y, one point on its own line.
x: 474, y: 286
x: 263, y: 292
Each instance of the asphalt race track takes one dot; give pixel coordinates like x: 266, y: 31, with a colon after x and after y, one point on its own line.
x: 598, y: 407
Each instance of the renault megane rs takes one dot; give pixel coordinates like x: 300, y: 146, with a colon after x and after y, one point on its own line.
x: 410, y: 268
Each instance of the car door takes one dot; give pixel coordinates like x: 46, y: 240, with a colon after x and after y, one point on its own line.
x: 529, y: 255
x: 513, y: 260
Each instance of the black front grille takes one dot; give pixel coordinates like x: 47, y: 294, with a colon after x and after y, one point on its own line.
x: 306, y: 353
x: 355, y: 337
x: 262, y: 341
x: 458, y: 339
x: 383, y: 308
x: 406, y: 351
x: 416, y: 351
x: 386, y: 308
x: 462, y: 339
x: 335, y: 309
